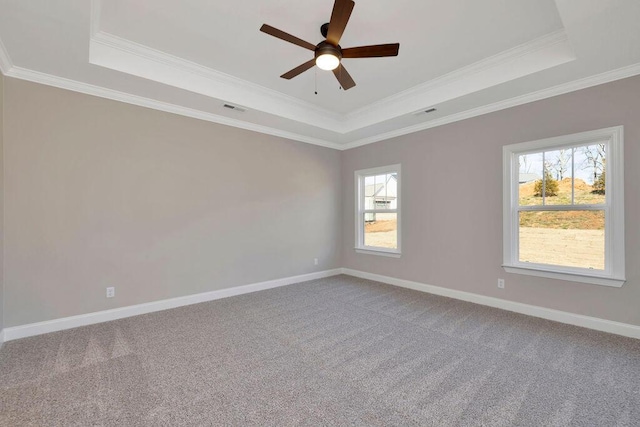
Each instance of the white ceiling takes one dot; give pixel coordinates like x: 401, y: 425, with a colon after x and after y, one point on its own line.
x: 463, y: 57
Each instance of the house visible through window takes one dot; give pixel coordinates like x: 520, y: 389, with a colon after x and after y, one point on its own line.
x: 378, y: 210
x: 564, y: 208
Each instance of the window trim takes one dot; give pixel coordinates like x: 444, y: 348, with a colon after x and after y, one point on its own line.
x: 360, y: 211
x: 614, y: 273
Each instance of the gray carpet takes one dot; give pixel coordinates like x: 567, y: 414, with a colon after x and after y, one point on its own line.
x: 337, y: 351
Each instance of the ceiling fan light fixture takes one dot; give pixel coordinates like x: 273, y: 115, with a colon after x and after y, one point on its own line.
x: 327, y: 61
x: 327, y: 56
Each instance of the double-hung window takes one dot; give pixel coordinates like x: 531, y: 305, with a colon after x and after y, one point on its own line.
x: 564, y: 207
x: 378, y: 211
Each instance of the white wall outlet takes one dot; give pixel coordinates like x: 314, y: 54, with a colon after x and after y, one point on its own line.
x: 501, y: 283
x: 315, y: 261
x: 111, y: 292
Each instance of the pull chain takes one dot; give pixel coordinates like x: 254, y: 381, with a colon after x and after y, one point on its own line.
x: 316, y: 79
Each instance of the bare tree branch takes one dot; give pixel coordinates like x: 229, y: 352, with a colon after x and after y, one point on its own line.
x: 595, y: 157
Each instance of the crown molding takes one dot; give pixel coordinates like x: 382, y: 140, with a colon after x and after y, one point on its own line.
x: 113, y: 52
x: 110, y: 51
x: 89, y: 89
x: 5, y: 60
x: 62, y: 83
x: 584, y: 83
x: 546, y: 52
x: 10, y: 70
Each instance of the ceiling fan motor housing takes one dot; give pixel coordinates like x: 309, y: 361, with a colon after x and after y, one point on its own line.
x: 325, y: 48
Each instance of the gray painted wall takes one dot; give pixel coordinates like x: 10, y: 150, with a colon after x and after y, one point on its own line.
x: 100, y: 193
x: 1, y: 202
x: 452, y: 201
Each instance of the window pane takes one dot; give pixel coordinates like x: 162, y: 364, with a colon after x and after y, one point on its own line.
x: 369, y: 190
x: 381, y: 192
x: 381, y: 230
x: 590, y: 174
x: 558, y: 179
x: 566, y: 238
x: 530, y: 176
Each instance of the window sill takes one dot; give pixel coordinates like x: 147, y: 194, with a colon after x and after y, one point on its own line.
x: 379, y: 252
x: 573, y: 277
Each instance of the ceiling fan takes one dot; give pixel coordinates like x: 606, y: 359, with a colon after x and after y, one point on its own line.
x: 328, y: 53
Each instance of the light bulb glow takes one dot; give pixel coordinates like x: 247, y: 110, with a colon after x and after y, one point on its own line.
x: 327, y: 62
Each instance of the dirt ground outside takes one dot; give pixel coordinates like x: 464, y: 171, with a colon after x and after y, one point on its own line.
x: 381, y: 234
x: 573, y: 247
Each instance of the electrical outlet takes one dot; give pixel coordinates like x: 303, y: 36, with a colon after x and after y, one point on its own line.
x: 111, y: 292
x: 315, y: 261
x: 501, y: 283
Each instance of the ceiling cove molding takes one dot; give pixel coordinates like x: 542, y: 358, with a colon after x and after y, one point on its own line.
x: 539, y: 54
x: 123, y: 55
x: 110, y: 51
x: 62, y: 83
x: 5, y: 60
x: 89, y: 89
x: 584, y: 83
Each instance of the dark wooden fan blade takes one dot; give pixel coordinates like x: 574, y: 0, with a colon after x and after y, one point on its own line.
x: 286, y: 37
x: 344, y: 78
x: 375, y: 51
x: 299, y: 69
x: 339, y: 18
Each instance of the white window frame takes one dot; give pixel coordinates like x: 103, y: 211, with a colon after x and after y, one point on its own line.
x: 614, y: 272
x: 360, y: 176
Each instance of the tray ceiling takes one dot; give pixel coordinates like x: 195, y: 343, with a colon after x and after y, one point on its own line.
x: 462, y: 57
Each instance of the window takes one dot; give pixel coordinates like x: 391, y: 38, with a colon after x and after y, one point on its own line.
x: 564, y: 207
x: 378, y: 211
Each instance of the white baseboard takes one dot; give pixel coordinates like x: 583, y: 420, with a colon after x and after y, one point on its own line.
x: 39, y: 328
x: 23, y: 331
x: 598, y: 324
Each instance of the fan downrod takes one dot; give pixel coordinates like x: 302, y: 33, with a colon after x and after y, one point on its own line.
x: 324, y: 30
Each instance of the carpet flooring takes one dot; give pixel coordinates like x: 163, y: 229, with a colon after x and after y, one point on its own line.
x: 336, y: 351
